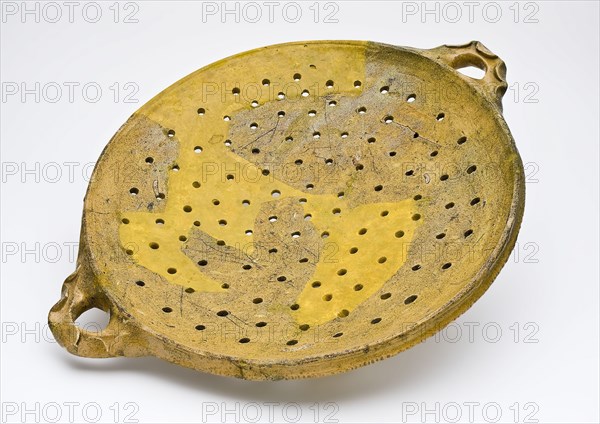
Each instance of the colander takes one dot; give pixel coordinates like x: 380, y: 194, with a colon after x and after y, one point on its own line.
x: 298, y: 210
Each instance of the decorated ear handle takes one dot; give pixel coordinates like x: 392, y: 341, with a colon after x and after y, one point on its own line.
x: 79, y: 295
x: 493, y: 84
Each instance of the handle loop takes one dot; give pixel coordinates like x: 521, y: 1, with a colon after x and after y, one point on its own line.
x: 80, y: 294
x: 493, y: 85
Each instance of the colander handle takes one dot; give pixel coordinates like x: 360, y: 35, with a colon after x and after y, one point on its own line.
x: 493, y: 85
x: 79, y: 294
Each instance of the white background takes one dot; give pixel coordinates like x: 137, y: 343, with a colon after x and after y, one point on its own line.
x: 543, y: 366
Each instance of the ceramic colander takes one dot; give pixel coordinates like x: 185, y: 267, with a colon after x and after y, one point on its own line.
x: 298, y: 210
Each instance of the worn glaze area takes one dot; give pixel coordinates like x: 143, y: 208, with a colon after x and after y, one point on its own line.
x: 298, y: 210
